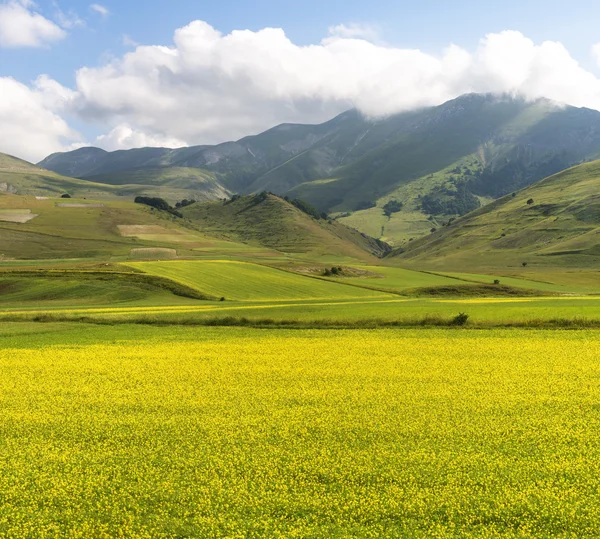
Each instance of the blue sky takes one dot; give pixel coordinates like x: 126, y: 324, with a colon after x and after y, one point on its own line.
x: 426, y: 24
x: 246, y: 84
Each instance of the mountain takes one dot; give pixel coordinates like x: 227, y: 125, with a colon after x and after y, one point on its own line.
x: 436, y: 162
x: 172, y: 183
x: 555, y: 222
x: 278, y: 224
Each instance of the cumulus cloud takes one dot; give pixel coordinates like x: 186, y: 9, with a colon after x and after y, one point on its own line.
x: 21, y: 26
x: 100, y: 9
x: 208, y: 87
x: 596, y: 53
x: 29, y: 127
x: 124, y: 136
x: 350, y: 31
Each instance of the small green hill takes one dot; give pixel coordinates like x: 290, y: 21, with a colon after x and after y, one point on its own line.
x: 275, y: 223
x: 23, y: 178
x: 555, y: 222
x: 44, y: 228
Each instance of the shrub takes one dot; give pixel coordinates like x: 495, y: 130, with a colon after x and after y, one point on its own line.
x: 334, y: 271
x: 222, y: 299
x: 393, y: 206
x: 66, y: 195
x: 496, y: 281
x: 327, y: 272
x: 530, y: 202
x: 433, y: 230
x: 524, y: 264
x: 460, y: 319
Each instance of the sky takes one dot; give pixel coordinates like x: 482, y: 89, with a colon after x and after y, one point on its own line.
x: 124, y: 74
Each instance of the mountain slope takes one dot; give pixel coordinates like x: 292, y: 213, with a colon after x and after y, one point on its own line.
x: 555, y: 222
x: 277, y: 224
x: 439, y: 162
x: 172, y: 183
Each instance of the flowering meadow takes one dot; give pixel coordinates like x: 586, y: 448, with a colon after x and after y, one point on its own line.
x: 134, y: 431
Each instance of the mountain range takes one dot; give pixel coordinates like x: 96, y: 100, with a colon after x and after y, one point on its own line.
x: 432, y: 164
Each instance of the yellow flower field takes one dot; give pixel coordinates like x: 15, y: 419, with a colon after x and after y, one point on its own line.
x: 227, y: 432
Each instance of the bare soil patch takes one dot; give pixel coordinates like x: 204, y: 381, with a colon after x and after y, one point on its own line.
x: 17, y: 216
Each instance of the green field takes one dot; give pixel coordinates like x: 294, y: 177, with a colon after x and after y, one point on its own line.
x: 244, y: 281
x: 171, y: 432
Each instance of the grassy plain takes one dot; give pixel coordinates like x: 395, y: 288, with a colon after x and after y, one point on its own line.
x: 136, y: 431
x: 244, y: 281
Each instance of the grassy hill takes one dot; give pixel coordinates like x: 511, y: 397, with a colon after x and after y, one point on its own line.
x: 33, y: 228
x: 275, y: 223
x: 555, y: 222
x: 170, y: 183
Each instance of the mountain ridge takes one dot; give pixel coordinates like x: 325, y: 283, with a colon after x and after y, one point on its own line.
x: 438, y: 162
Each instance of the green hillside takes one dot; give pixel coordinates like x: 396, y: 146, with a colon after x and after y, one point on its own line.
x: 272, y: 222
x: 34, y: 228
x: 170, y: 183
x: 23, y: 178
x: 555, y: 222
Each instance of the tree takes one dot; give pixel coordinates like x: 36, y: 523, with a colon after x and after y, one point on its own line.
x: 393, y: 206
x: 530, y: 202
x: 66, y: 195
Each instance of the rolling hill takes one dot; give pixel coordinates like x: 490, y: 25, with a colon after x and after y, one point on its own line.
x: 555, y: 222
x: 275, y: 223
x: 265, y: 226
x: 438, y: 162
x: 172, y: 183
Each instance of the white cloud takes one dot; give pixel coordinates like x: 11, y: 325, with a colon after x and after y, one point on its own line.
x: 20, y: 26
x: 67, y: 20
x: 209, y: 87
x: 596, y: 53
x: 28, y: 126
x: 128, y: 41
x: 351, y: 31
x: 100, y: 9
x: 124, y: 136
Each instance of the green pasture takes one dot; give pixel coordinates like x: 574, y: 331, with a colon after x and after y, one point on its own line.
x: 241, y: 281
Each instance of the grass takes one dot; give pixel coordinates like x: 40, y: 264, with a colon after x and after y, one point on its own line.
x: 259, y: 433
x: 65, y: 288
x: 245, y: 281
x: 558, y: 230
x: 278, y: 225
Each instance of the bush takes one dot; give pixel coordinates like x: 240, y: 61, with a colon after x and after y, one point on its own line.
x: 66, y: 195
x: 496, y: 281
x: 460, y: 319
x: 393, y: 206
x: 185, y: 202
x: 524, y: 264
x: 327, y: 272
x: 433, y: 230
x: 158, y: 203
x: 334, y: 271
x: 530, y: 202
